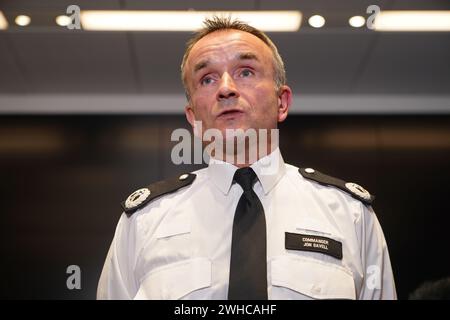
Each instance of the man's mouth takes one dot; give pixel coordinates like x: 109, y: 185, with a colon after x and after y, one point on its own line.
x: 230, y: 113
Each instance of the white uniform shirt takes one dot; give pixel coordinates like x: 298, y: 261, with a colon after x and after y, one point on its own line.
x: 178, y: 246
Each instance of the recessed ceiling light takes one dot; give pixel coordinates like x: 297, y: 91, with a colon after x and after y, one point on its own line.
x: 357, y: 21
x: 316, y: 21
x: 22, y: 20
x: 63, y: 20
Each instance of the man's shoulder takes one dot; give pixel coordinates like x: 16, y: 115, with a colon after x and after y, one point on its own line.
x: 143, y: 196
x: 314, y: 176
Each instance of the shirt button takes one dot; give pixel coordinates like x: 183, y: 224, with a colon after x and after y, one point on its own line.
x: 183, y: 176
x: 316, y: 289
x: 310, y: 170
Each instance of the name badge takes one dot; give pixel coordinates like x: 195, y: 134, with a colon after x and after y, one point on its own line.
x: 307, y: 242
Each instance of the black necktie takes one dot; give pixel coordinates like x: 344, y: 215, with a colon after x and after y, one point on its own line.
x: 248, y: 266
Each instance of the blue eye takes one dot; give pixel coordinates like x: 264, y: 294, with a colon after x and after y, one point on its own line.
x: 246, y: 73
x: 206, y: 80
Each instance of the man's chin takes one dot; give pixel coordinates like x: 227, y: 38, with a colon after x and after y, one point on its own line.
x: 233, y: 125
x: 233, y: 131
x: 226, y: 132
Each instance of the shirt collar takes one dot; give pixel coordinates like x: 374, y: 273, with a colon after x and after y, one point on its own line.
x: 269, y: 170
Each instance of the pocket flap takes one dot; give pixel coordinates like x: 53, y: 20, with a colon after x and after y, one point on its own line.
x: 176, y: 280
x: 313, y: 278
x: 172, y: 228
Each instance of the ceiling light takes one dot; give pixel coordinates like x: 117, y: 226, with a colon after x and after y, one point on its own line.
x: 412, y: 21
x: 316, y: 21
x: 3, y: 22
x: 184, y: 20
x: 22, y: 20
x: 63, y: 20
x: 357, y: 21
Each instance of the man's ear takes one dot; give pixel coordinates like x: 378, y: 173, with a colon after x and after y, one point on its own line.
x: 284, y: 102
x: 190, y: 115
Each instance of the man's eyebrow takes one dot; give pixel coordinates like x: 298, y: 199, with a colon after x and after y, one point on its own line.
x: 200, y: 65
x: 247, y: 56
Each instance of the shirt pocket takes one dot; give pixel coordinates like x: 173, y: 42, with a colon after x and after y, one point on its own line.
x: 173, y: 227
x: 310, y: 278
x: 176, y: 280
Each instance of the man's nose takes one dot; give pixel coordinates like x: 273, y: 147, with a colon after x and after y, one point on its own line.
x: 227, y: 88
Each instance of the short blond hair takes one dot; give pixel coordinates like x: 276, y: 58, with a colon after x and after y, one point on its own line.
x: 216, y: 23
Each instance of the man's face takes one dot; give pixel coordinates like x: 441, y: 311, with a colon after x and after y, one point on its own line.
x: 230, y: 78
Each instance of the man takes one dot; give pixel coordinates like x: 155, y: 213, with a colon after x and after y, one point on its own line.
x: 245, y: 229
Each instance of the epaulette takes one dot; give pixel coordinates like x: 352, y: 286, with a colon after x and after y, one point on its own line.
x: 353, y: 189
x: 141, y: 197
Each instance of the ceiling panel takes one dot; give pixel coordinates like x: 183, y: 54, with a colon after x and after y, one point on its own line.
x: 76, y: 61
x: 408, y: 63
x: 420, y: 5
x: 159, y: 57
x: 331, y: 60
x: 33, y: 5
x: 324, y: 6
x: 190, y: 4
x: 11, y: 78
x: 319, y: 63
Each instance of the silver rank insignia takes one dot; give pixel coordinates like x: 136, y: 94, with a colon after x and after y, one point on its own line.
x: 137, y: 197
x: 358, y: 190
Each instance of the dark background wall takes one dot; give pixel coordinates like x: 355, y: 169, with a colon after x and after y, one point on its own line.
x: 62, y: 179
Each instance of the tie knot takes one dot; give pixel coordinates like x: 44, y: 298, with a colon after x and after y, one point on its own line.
x: 245, y: 177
